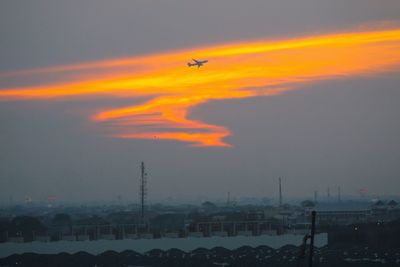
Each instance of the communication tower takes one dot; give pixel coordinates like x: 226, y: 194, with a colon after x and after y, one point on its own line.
x: 143, y: 191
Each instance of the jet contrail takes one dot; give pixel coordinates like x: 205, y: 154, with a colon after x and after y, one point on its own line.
x: 235, y: 70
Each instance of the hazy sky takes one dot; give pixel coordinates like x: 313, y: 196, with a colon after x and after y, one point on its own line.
x: 333, y: 126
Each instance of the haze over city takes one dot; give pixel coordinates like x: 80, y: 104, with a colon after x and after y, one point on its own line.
x: 90, y: 89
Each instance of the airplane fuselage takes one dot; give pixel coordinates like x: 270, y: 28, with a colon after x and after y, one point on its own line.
x: 197, y: 63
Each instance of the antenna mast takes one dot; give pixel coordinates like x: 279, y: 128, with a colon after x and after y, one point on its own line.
x: 143, y: 191
x: 280, y: 192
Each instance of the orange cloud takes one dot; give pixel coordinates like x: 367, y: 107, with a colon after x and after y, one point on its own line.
x: 236, y: 70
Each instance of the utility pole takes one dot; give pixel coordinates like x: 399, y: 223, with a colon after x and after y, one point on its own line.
x: 303, y: 247
x: 310, y: 256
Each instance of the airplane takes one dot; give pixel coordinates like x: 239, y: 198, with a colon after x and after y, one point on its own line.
x: 197, y: 63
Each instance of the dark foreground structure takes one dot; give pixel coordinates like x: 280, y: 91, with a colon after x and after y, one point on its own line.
x: 372, y: 244
x: 244, y: 256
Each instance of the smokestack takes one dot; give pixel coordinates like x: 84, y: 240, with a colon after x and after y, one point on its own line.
x: 280, y: 192
x: 315, y: 196
x: 338, y: 194
x: 328, y: 194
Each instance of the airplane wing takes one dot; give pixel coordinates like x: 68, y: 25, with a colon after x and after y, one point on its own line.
x: 195, y: 60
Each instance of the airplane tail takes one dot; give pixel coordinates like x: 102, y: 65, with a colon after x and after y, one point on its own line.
x: 189, y: 65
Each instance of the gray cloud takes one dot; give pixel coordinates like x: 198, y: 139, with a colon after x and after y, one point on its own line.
x: 333, y: 133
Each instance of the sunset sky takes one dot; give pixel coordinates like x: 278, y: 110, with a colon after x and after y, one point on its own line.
x: 306, y: 90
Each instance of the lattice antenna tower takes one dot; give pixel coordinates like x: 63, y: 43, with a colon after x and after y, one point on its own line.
x: 143, y: 191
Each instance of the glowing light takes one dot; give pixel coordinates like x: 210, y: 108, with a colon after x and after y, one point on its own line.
x: 237, y: 70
